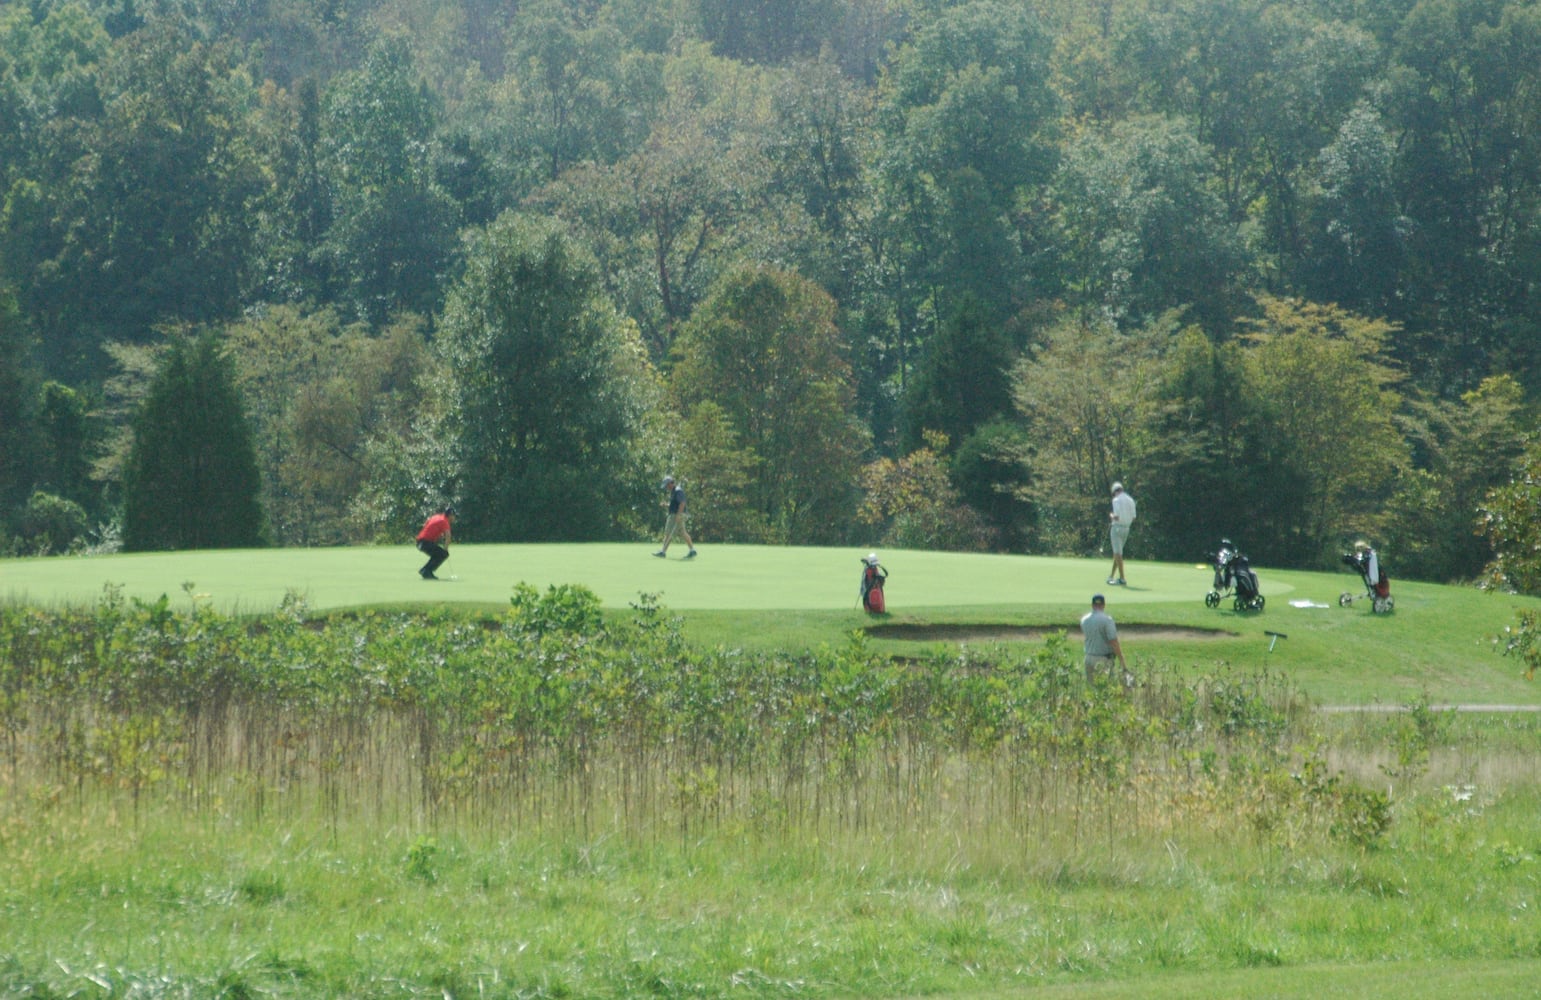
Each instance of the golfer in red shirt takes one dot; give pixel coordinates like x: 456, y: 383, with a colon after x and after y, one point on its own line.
x: 433, y: 541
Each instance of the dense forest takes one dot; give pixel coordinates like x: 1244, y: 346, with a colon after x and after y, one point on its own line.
x: 897, y: 272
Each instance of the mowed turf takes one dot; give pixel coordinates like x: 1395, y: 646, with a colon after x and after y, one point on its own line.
x: 1439, y: 645
x: 720, y: 578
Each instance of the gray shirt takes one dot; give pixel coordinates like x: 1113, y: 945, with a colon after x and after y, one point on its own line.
x: 1100, y: 633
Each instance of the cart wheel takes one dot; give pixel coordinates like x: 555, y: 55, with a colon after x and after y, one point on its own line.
x: 1258, y: 602
x: 1345, y: 599
x: 1382, y: 605
x: 1211, y: 600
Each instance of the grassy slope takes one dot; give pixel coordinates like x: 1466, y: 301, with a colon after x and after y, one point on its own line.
x: 1439, y: 643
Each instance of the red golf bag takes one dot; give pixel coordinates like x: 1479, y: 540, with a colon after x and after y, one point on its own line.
x: 872, y: 577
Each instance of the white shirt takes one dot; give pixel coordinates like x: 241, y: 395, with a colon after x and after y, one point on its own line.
x: 1123, y: 507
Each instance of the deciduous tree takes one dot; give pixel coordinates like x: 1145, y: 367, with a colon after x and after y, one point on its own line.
x: 1461, y: 451
x: 1357, y: 235
x: 719, y: 472
x: 963, y: 378
x: 1207, y: 423
x: 544, y: 389
x: 318, y: 390
x: 391, y: 244
x: 1138, y: 226
x: 965, y: 115
x: 1325, y: 391
x: 18, y: 410
x: 668, y: 219
x: 140, y: 217
x: 1088, y: 393
x: 765, y: 348
x: 1511, y: 520
x: 911, y: 503
x: 1467, y: 122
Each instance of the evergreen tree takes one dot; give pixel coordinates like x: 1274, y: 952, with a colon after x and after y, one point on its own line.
x: 65, y: 439
x: 191, y: 481
x: 18, y: 409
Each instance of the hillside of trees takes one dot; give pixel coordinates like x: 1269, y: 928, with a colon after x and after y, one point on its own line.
x: 869, y: 272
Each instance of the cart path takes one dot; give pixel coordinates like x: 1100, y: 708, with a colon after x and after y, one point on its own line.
x: 1431, y: 708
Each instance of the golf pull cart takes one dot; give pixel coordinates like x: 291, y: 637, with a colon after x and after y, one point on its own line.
x: 1234, y: 578
x: 1377, y: 585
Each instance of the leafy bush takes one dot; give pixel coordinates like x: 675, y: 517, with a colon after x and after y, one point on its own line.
x: 565, y: 607
x: 51, y: 524
x: 1524, y: 640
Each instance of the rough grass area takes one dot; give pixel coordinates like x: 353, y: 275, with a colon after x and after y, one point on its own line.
x: 295, y: 909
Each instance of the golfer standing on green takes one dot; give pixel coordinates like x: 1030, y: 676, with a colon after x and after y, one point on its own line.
x: 674, y: 495
x: 1102, y: 644
x: 1119, y: 520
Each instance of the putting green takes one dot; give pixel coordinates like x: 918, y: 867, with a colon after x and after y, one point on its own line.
x: 727, y: 577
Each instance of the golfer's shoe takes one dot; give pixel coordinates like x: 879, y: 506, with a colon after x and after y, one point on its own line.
x: 691, y: 554
x: 1112, y: 581
x: 429, y: 576
x: 1121, y: 582
x: 659, y: 553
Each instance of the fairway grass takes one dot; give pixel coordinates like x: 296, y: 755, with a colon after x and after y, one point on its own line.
x: 1439, y: 646
x: 727, y: 578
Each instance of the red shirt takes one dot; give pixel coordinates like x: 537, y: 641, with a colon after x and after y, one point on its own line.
x: 435, y: 528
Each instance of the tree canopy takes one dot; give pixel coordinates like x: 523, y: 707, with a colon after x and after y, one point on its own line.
x: 929, y: 217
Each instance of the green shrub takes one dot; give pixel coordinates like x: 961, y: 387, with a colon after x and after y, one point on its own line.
x: 51, y: 524
x: 566, y: 608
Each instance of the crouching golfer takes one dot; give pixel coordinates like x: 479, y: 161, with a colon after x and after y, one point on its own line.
x: 1102, y: 642
x: 433, y: 541
x: 674, y: 526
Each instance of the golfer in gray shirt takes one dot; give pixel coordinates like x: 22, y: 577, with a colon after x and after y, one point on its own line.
x: 1101, y: 640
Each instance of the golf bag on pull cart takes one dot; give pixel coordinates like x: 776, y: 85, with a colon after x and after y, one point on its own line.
x: 1233, y: 578
x: 1377, y: 585
x: 872, y: 578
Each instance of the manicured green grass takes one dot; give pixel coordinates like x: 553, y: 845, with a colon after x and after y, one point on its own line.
x: 721, y: 578
x: 1439, y: 644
